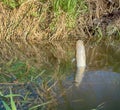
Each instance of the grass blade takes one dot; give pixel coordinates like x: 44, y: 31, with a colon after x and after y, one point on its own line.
x: 34, y: 107
x: 12, y: 101
x: 6, y: 106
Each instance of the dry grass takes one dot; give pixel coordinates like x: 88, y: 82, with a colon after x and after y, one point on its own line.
x: 28, y: 32
x: 33, y: 31
x: 31, y: 23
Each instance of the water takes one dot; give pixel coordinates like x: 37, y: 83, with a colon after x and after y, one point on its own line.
x: 99, y: 90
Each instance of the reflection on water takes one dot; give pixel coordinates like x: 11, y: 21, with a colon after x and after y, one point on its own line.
x: 103, y: 57
x: 99, y: 90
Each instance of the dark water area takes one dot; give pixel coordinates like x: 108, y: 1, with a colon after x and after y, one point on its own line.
x: 100, y: 86
x: 99, y: 90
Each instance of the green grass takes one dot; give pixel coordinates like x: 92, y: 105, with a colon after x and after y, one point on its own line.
x: 18, y: 70
x: 72, y: 8
x: 12, y: 3
x: 68, y: 6
x: 12, y: 103
x: 22, y: 71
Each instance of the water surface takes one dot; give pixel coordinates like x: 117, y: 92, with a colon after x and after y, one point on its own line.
x: 100, y: 88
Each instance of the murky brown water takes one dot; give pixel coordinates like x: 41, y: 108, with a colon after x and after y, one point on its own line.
x: 103, y: 56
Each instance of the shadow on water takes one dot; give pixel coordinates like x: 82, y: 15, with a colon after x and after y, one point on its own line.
x: 100, y: 86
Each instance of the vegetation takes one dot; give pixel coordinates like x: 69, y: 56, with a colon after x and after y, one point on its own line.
x: 37, y: 40
x: 11, y: 3
x: 13, y: 106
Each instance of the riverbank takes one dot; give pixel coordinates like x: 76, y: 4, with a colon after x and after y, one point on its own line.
x: 38, y: 37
